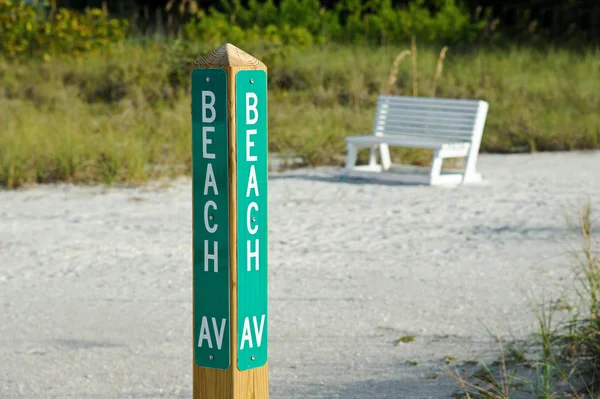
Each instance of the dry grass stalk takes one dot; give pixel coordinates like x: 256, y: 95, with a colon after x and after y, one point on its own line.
x: 169, y: 5
x: 493, y: 389
x: 413, y: 50
x: 590, y: 262
x: 438, y: 69
x: 394, y: 72
x: 484, y: 389
x: 189, y: 6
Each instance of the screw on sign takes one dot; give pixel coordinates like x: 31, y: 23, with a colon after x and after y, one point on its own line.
x: 229, y: 156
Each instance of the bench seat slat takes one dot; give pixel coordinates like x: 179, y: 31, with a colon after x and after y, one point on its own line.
x: 408, y: 141
x: 430, y: 109
x: 421, y: 112
x: 446, y: 105
x: 427, y: 100
x: 426, y: 132
x: 450, y: 107
x: 395, y: 125
x: 457, y: 104
x: 420, y: 121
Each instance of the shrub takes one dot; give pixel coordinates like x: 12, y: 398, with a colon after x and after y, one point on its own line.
x: 25, y: 30
x: 215, y: 28
x: 302, y: 22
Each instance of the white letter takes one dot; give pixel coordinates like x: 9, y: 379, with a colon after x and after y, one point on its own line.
x: 250, y: 144
x: 246, y: 335
x: 251, y: 108
x: 258, y: 332
x: 252, y: 184
x: 204, y: 333
x: 212, y: 256
x: 206, y: 141
x: 208, y: 105
x: 251, y: 230
x: 219, y: 334
x: 252, y: 255
x: 206, y: 220
x: 210, y: 180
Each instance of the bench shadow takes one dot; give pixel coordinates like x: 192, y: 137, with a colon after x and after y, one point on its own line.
x: 339, y: 178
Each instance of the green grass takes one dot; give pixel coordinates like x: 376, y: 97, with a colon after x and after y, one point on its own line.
x: 405, y: 339
x: 564, y: 362
x: 123, y: 115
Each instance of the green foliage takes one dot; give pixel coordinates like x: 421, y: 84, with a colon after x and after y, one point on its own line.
x: 379, y: 21
x: 122, y: 114
x: 302, y: 22
x: 25, y: 30
x: 405, y: 339
x: 215, y: 28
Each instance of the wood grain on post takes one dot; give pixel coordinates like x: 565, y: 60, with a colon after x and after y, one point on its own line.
x: 231, y: 383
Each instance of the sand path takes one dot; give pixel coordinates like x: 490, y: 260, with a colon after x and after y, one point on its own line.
x: 95, y: 282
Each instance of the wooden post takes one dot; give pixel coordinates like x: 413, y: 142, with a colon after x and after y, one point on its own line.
x: 229, y: 140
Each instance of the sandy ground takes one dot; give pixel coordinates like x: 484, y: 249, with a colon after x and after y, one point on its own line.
x: 95, y: 292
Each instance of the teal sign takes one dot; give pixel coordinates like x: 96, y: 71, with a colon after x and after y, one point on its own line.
x: 251, y: 133
x: 210, y: 207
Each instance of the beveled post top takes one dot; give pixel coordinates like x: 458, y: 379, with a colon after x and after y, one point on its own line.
x: 228, y: 56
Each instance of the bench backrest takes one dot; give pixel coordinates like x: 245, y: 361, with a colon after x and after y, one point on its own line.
x: 442, y: 118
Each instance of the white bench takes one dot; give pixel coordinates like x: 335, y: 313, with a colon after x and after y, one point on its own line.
x: 451, y: 128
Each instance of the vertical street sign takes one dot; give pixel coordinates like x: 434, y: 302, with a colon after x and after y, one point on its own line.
x: 251, y: 114
x: 229, y: 140
x: 210, y: 197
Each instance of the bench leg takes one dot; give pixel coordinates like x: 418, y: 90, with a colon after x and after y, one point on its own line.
x: 351, y: 156
x: 386, y: 161
x: 470, y: 174
x: 436, y: 167
x: 373, y: 156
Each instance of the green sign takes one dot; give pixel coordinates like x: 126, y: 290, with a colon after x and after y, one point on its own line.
x: 251, y: 122
x: 210, y: 206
